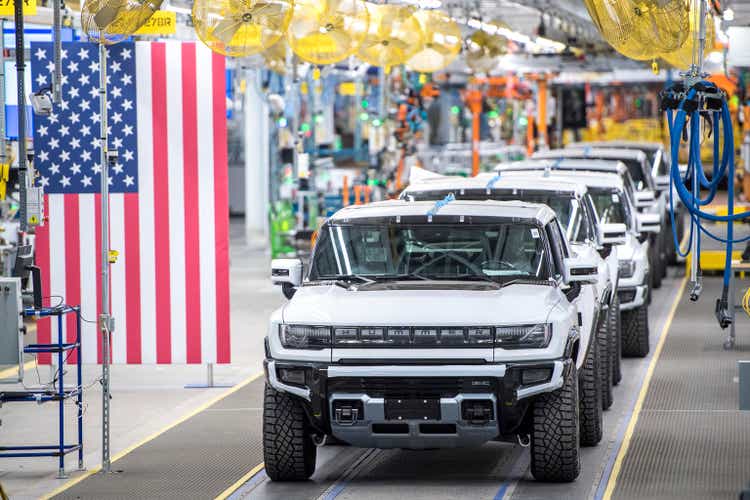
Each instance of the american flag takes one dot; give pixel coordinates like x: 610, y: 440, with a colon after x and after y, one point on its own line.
x: 168, y: 201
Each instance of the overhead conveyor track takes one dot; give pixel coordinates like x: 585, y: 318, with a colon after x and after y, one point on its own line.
x: 690, y: 441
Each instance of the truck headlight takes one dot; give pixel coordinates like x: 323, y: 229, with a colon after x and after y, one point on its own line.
x: 305, y: 337
x: 523, y: 336
x: 627, y: 268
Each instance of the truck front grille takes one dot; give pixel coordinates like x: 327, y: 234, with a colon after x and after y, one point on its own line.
x: 409, y: 388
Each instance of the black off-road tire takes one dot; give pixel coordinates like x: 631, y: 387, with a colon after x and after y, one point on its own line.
x: 590, y: 391
x: 655, y: 264
x: 615, y: 325
x: 555, y: 442
x: 605, y: 347
x: 288, y: 449
x: 635, y: 332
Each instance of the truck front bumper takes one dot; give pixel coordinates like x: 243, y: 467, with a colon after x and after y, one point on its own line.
x: 417, y: 406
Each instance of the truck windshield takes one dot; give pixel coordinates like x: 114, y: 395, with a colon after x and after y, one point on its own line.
x: 458, y: 252
x: 610, y: 206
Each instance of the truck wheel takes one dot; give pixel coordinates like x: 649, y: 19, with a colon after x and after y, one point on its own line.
x: 555, y: 442
x: 615, y: 326
x: 590, y: 391
x: 605, y: 347
x: 288, y: 450
x: 655, y: 264
x: 635, y: 332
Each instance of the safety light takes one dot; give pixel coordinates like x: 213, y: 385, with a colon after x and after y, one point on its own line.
x: 364, y: 117
x: 319, y: 119
x: 305, y: 127
x: 282, y: 122
x: 365, y: 103
x: 523, y: 336
x: 455, y: 110
x: 376, y: 122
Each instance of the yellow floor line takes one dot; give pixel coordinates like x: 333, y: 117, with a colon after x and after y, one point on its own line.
x: 13, y: 372
x: 226, y: 493
x: 153, y: 436
x: 642, y: 396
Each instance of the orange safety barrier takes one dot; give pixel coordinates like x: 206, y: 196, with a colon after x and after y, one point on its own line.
x: 345, y: 191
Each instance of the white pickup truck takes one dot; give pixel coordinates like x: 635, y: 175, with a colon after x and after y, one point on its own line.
x: 428, y: 325
x: 614, y: 205
x: 570, y: 200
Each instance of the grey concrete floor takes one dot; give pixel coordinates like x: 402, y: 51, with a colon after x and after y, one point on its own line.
x: 495, y: 470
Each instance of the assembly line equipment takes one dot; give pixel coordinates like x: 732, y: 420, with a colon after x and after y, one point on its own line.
x: 57, y: 392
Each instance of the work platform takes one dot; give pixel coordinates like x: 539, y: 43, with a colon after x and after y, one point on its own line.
x: 689, y: 440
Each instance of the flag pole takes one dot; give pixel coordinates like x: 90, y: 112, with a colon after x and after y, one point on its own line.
x: 106, y: 322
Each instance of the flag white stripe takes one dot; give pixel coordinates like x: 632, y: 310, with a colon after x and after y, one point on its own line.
x: 119, y: 311
x: 146, y: 203
x: 206, y: 203
x: 176, y: 201
x: 57, y: 260
x: 89, y: 247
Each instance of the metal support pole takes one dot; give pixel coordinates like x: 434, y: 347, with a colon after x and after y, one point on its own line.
x: 3, y: 145
x: 61, y: 400
x: 20, y: 70
x: 57, y: 75
x: 694, y: 75
x: 79, y: 389
x: 105, y: 320
x: 209, y: 374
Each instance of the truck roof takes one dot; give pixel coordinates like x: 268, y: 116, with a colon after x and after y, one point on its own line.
x: 589, y: 178
x: 576, y: 164
x: 508, y: 180
x: 594, y: 153
x: 518, y: 210
x: 643, y: 146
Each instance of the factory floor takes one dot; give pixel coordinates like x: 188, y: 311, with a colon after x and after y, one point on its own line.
x: 173, y: 442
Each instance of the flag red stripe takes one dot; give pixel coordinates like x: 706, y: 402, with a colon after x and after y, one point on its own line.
x: 98, y: 253
x: 44, y: 326
x: 72, y: 266
x: 133, y: 278
x: 191, y: 180
x: 221, y: 214
x: 161, y: 203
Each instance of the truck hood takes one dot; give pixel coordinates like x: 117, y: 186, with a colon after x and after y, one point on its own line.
x: 419, y: 305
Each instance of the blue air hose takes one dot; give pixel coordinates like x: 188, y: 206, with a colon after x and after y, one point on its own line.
x: 724, y: 166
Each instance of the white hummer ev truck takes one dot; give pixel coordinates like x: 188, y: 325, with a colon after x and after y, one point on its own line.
x: 428, y: 325
x: 574, y: 209
x: 614, y: 204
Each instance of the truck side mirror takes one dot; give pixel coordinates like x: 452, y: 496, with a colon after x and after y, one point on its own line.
x: 288, y: 274
x: 580, y: 269
x: 613, y: 234
x: 644, y: 199
x: 648, y: 223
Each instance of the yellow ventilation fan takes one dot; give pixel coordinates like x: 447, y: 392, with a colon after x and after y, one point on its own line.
x: 111, y: 21
x: 641, y: 29
x: 442, y: 42
x: 327, y: 31
x: 241, y: 28
x: 274, y: 57
x: 393, y: 37
x: 682, y: 58
x: 483, y: 49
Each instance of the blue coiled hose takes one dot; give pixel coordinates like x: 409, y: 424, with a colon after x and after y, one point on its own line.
x: 724, y: 166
